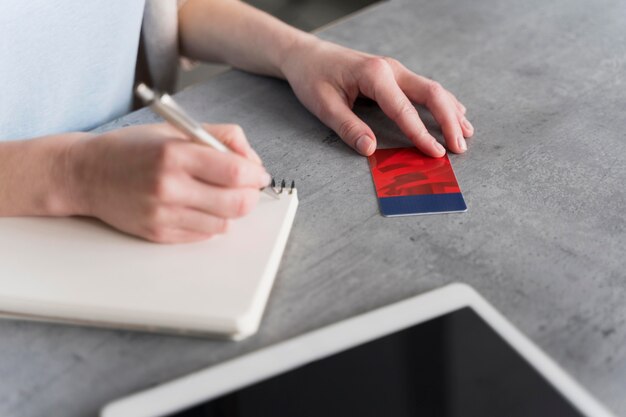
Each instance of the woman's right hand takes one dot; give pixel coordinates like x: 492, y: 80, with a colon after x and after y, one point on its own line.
x: 152, y: 182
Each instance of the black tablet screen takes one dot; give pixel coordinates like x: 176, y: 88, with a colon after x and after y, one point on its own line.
x: 451, y: 366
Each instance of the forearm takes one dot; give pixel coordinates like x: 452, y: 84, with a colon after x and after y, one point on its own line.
x: 235, y: 33
x: 34, y: 179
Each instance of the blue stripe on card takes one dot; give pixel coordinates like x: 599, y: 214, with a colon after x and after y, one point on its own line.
x: 422, y: 204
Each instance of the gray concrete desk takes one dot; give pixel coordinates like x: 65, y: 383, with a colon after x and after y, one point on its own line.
x: 544, y: 177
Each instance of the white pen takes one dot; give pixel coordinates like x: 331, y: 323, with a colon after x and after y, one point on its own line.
x: 165, y: 106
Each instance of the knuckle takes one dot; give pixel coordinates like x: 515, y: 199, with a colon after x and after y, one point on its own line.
x: 236, y: 130
x: 233, y: 133
x: 247, y: 201
x: 349, y: 129
x: 217, y: 226
x: 393, y: 63
x: 236, y: 173
x: 167, y: 155
x: 238, y: 204
x: 377, y: 66
x: 220, y: 204
x: 435, y: 89
x: 155, y: 216
x: 163, y: 188
x: 158, y: 235
x: 404, y: 108
x: 223, y: 226
x: 155, y: 229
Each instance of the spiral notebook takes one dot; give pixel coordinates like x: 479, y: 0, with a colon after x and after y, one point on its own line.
x: 80, y: 271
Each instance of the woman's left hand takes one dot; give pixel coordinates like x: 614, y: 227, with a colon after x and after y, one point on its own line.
x: 328, y: 78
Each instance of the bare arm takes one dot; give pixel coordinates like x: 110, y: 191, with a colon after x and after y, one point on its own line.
x: 327, y: 78
x: 145, y: 180
x: 34, y: 179
x: 236, y: 33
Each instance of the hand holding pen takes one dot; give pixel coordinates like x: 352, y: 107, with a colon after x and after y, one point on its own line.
x: 165, y: 106
x: 151, y: 181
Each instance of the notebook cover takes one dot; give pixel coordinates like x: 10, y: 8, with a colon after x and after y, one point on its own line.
x: 81, y: 271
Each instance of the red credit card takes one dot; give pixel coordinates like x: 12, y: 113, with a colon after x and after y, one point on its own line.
x: 408, y: 183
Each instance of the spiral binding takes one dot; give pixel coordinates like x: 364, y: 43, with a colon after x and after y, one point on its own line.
x: 283, y: 187
x: 275, y: 191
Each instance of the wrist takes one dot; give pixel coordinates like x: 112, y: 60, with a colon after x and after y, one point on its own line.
x: 291, y: 52
x: 70, y: 195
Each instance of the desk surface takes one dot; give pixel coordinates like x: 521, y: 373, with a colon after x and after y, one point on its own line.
x: 544, y: 177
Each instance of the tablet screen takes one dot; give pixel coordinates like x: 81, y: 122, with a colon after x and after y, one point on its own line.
x: 454, y: 365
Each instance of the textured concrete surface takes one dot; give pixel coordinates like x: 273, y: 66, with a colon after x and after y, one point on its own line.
x: 543, y: 240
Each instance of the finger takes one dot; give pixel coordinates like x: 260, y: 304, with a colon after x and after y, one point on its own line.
x: 440, y: 103
x: 198, y: 222
x: 445, y: 112
x: 380, y: 85
x: 336, y: 114
x: 457, y: 103
x: 234, y: 138
x: 466, y: 126
x: 171, y: 236
x: 160, y: 131
x: 224, y: 169
x: 417, y: 86
x: 229, y: 134
x: 227, y: 203
x: 419, y: 89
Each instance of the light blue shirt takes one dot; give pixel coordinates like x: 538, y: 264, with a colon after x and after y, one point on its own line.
x: 65, y: 65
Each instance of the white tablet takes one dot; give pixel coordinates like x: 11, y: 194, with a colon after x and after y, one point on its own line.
x: 444, y: 353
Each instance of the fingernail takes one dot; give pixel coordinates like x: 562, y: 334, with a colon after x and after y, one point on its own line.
x: 439, y: 147
x: 461, y: 141
x: 467, y: 124
x: 363, y: 145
